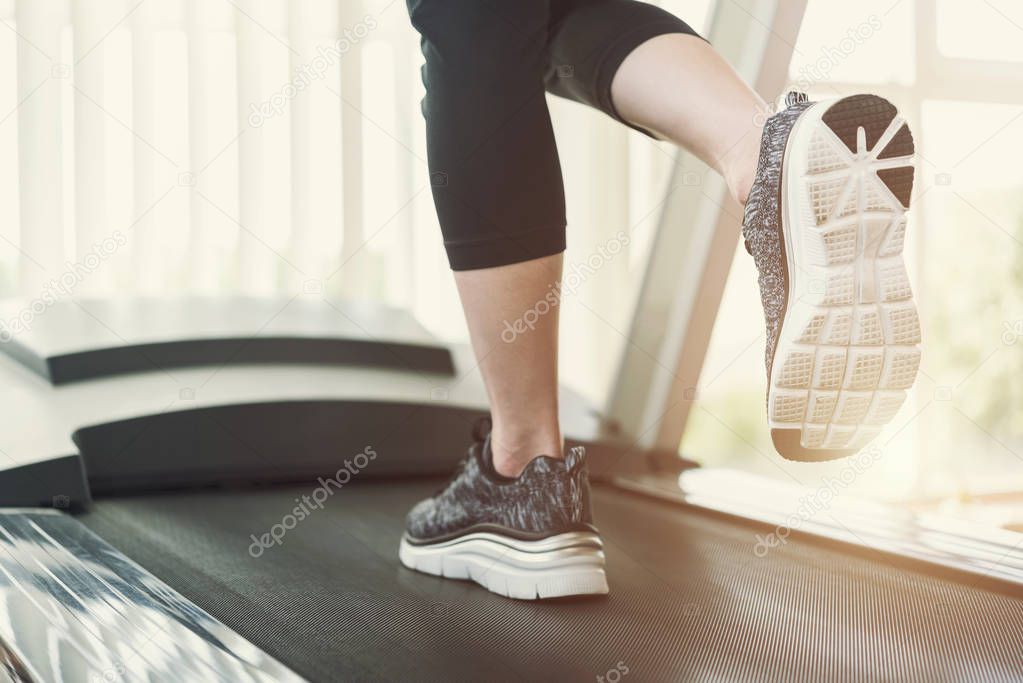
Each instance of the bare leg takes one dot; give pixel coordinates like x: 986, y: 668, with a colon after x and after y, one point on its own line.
x: 678, y: 87
x: 520, y: 369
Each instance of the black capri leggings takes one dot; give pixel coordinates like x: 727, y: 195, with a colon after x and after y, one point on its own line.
x: 493, y: 162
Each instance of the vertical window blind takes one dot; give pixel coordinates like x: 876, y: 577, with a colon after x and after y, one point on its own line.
x: 271, y: 147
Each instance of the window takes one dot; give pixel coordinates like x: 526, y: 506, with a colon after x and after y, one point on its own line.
x: 991, y: 30
x: 957, y: 443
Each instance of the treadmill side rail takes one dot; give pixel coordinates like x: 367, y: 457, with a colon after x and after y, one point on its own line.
x: 80, y: 611
x: 973, y: 553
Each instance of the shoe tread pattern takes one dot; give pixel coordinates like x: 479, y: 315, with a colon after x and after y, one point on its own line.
x: 850, y: 343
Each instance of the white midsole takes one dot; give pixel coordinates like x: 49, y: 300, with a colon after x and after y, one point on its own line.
x: 793, y: 237
x: 565, y: 564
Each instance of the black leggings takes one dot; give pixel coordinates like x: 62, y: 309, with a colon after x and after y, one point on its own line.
x: 493, y: 162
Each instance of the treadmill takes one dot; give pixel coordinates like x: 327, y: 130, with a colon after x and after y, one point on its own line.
x: 150, y: 526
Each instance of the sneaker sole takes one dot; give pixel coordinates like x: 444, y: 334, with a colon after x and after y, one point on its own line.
x: 557, y: 566
x: 849, y: 344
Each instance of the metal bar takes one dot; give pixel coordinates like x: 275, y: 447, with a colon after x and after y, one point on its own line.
x: 41, y: 75
x: 264, y: 185
x: 144, y: 238
x: 90, y: 22
x: 406, y: 117
x: 352, y: 193
x: 203, y: 274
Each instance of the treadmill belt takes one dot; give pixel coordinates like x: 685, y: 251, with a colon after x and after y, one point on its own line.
x: 690, y: 600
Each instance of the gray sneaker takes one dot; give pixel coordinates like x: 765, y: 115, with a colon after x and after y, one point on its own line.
x: 527, y: 537
x: 825, y: 222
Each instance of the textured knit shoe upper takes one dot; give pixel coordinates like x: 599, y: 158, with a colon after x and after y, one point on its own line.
x: 551, y: 496
x: 761, y: 225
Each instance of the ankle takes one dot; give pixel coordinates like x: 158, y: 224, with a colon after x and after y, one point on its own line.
x: 512, y: 453
x: 739, y: 183
x: 739, y: 166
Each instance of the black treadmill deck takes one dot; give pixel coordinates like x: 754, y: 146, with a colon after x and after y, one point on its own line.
x: 690, y: 598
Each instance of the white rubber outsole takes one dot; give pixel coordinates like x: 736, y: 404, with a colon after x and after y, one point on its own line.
x: 849, y: 345
x: 554, y: 567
